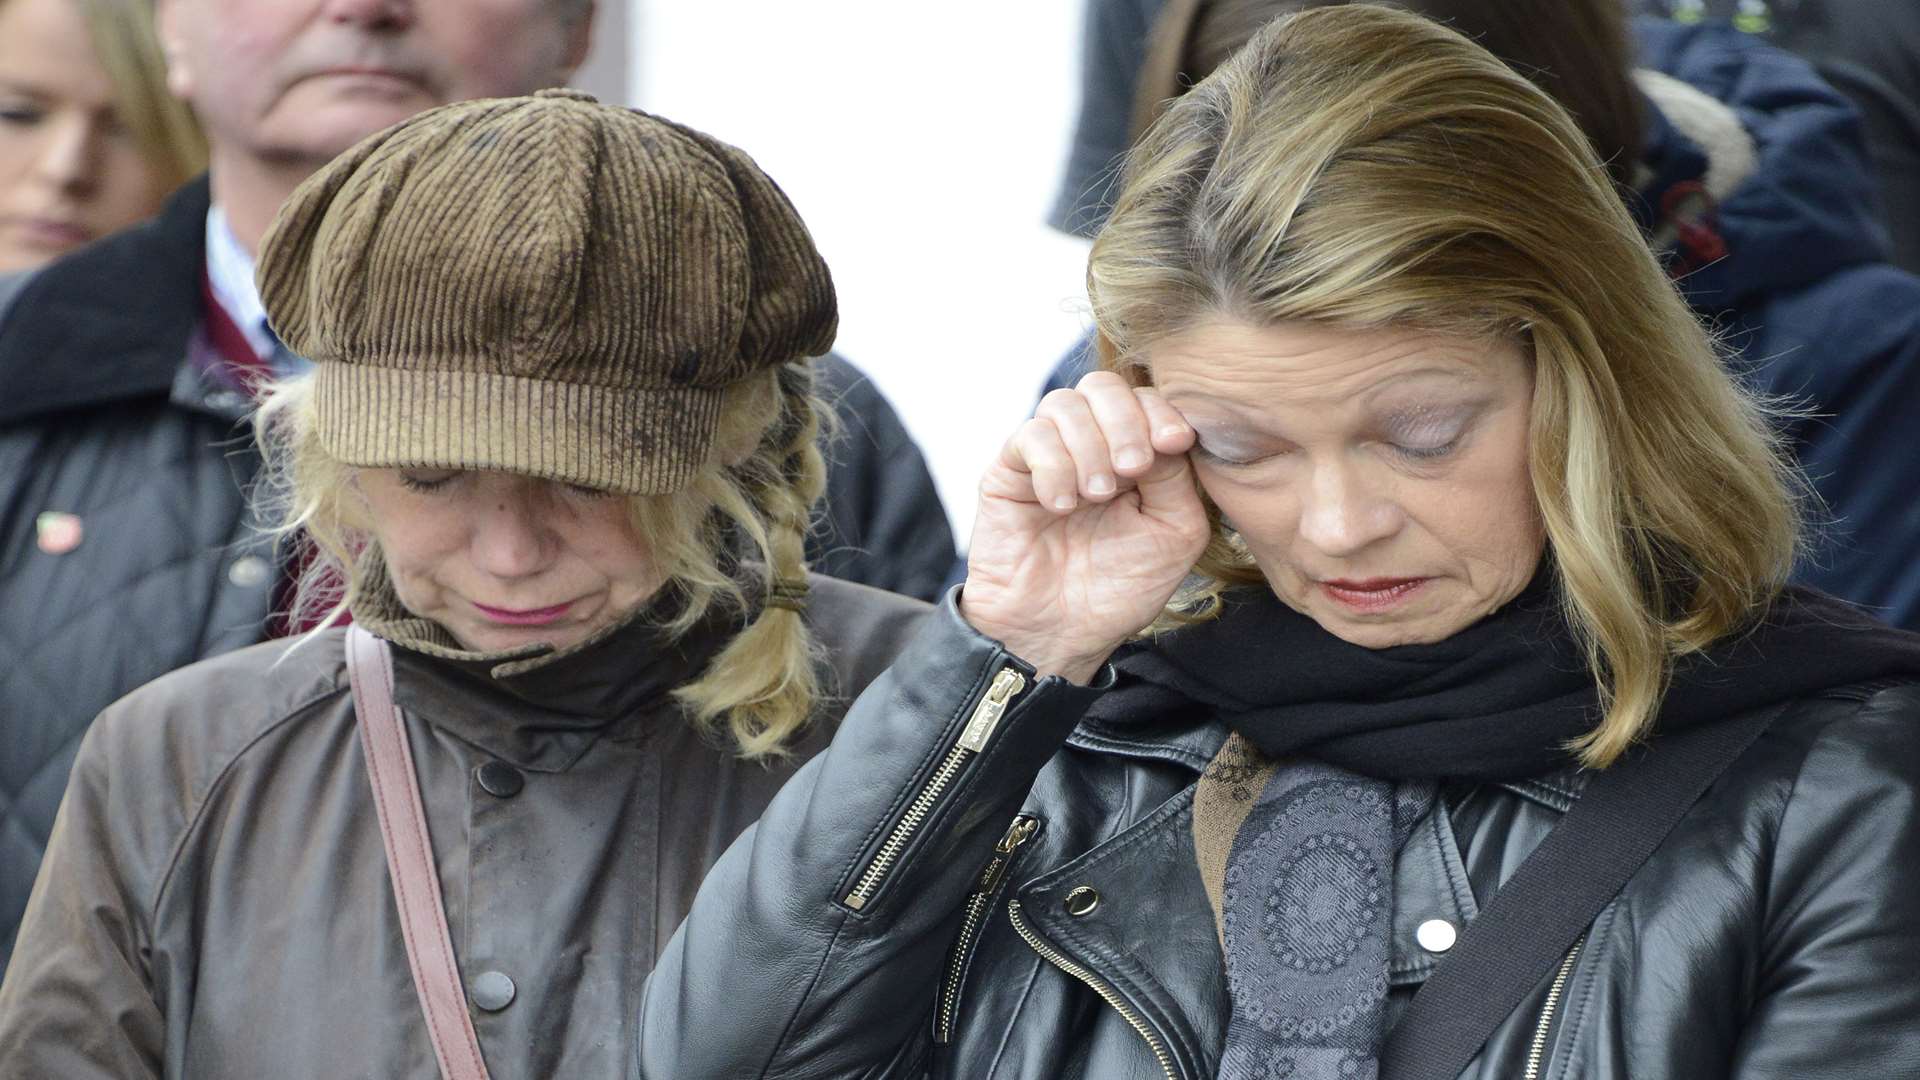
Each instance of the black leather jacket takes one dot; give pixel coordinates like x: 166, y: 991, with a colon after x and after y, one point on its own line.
x: 901, y: 908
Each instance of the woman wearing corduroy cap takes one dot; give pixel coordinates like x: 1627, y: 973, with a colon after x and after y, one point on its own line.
x: 556, y: 461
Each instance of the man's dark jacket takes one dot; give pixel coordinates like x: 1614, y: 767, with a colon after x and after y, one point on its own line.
x: 101, y: 418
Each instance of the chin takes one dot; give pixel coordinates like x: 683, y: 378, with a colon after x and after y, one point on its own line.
x: 1385, y: 635
x: 329, y: 127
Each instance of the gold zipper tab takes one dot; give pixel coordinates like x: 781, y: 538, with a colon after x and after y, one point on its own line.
x: 973, y: 739
x: 1107, y: 993
x: 986, y: 715
x: 1022, y: 830
x: 1539, y: 1048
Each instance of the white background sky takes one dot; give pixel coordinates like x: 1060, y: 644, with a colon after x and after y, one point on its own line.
x: 922, y: 143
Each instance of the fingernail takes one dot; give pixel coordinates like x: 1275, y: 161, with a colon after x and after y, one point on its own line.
x: 1100, y: 484
x: 1130, y: 459
x: 1172, y: 431
x: 1063, y: 502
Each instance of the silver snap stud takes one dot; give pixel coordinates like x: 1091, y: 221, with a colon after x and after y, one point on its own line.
x: 493, y: 991
x: 1436, y: 935
x: 1081, y: 901
x: 248, y: 571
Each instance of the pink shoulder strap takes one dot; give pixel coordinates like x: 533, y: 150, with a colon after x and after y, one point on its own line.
x: 416, y: 884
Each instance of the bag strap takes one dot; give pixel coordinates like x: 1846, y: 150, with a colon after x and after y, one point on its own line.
x: 416, y: 884
x: 1524, y: 932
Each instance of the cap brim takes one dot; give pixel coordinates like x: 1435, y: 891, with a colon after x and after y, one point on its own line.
x: 637, y: 442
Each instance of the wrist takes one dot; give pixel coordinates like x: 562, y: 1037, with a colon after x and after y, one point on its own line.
x: 1042, y: 652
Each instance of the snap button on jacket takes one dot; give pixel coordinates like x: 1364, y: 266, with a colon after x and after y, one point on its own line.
x: 215, y: 899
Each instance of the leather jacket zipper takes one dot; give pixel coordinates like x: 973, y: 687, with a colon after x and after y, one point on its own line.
x: 1022, y: 830
x: 1097, y: 985
x: 1538, y: 1050
x: 973, y: 739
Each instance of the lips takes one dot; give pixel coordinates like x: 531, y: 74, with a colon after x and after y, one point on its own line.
x: 524, y: 616
x: 1372, y: 595
x: 49, y: 234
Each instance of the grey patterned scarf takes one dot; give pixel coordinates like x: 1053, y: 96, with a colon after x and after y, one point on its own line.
x: 1307, y: 913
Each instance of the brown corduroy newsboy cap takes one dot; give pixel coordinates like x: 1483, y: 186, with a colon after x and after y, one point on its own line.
x: 542, y: 285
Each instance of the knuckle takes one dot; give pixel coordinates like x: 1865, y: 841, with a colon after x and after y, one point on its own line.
x: 1059, y: 400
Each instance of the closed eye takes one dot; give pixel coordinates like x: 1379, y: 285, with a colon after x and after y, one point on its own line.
x: 1210, y: 457
x: 429, y: 482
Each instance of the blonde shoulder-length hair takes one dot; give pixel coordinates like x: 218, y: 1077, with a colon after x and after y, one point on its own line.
x: 722, y: 542
x: 128, y: 47
x: 1363, y: 167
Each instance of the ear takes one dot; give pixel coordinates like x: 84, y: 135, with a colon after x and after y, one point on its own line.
x: 579, y: 41
x: 168, y: 18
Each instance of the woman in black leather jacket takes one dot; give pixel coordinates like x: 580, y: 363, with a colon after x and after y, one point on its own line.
x: 1457, y: 544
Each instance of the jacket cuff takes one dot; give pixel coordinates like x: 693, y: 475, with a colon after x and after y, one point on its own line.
x: 952, y: 737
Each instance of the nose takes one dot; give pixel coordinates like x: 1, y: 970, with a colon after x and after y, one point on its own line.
x: 69, y: 158
x: 1342, y: 512
x: 388, y: 15
x: 512, y: 538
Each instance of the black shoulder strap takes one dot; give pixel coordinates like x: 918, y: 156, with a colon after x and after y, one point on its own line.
x: 1522, y: 934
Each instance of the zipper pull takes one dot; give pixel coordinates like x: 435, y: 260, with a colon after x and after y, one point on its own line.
x: 987, y: 714
x: 1018, y: 833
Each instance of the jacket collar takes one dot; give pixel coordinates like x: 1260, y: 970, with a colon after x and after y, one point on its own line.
x: 1193, y: 741
x: 537, y: 707
x: 130, y: 301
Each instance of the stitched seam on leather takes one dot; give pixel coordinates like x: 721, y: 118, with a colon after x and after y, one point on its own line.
x: 799, y: 1006
x: 1180, y: 804
x: 220, y: 778
x: 1009, y: 881
x: 1090, y: 736
x: 937, y: 751
x: 1772, y: 842
x: 1013, y: 1018
x: 1458, y: 883
x: 1420, y: 962
x: 1140, y: 978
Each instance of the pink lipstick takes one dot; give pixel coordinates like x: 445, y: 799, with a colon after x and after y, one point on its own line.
x: 529, y: 617
x: 1373, y: 594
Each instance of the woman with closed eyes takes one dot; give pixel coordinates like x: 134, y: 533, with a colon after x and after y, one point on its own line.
x: 556, y: 461
x: 1382, y: 667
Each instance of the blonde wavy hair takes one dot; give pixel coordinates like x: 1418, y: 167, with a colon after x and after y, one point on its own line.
x: 1361, y: 167
x: 722, y: 542
x: 128, y: 47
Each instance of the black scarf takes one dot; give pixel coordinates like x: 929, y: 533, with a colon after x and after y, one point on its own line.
x: 1499, y: 700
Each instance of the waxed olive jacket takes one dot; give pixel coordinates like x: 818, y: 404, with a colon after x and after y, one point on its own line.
x: 215, y: 902
x: 949, y: 891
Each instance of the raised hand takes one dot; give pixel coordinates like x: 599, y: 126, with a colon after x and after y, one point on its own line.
x: 1088, y: 521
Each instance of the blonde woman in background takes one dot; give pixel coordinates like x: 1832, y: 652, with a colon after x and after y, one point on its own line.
x: 1475, y: 734
x: 90, y: 139
x: 559, y: 449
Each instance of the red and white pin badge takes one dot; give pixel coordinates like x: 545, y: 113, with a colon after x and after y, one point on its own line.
x: 59, y: 532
